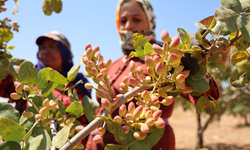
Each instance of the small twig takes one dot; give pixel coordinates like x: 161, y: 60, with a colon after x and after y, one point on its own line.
x: 243, y: 49
x: 32, y: 104
x: 98, y: 121
x: 53, y: 128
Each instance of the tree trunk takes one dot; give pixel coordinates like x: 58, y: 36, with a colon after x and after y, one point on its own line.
x: 201, y: 129
x: 199, y: 143
x: 245, y: 119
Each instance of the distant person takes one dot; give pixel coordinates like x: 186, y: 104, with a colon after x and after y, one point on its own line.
x: 134, y: 16
x: 53, y: 51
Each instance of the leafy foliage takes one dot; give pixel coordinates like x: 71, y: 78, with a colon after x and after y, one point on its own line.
x: 229, y: 28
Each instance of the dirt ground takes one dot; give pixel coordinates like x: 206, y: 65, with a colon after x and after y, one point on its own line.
x: 227, y: 134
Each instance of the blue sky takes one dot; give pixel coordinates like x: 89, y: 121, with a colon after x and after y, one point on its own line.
x: 93, y: 21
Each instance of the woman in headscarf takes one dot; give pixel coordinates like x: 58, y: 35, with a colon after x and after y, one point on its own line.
x: 53, y: 51
x: 137, y: 16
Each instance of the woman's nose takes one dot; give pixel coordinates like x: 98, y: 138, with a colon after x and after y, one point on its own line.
x: 129, y: 25
x: 45, y: 50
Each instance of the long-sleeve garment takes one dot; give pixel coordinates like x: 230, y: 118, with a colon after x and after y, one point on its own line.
x: 117, y: 71
x: 7, y: 87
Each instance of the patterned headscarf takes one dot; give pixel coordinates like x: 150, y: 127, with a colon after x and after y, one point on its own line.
x: 126, y: 37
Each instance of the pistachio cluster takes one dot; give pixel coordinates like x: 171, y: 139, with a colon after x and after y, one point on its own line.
x: 19, y: 88
x: 165, y: 76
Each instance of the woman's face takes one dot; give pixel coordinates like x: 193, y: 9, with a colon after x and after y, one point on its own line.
x: 50, y: 55
x: 133, y: 17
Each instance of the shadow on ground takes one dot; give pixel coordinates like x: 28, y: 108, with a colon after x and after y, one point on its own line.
x: 221, y: 146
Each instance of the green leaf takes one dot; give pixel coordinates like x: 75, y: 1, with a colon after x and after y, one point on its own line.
x: 27, y: 123
x: 181, y: 46
x: 89, y: 113
x: 195, y: 93
x: 212, y: 24
x: 27, y: 136
x: 48, y: 89
x: 5, y: 62
x: 6, y: 35
x: 11, y: 131
x: 198, y: 36
x: 200, y: 74
x: 220, y: 29
x: 27, y: 73
x: 86, y: 101
x: 115, y: 129
x: 132, y: 54
x: 51, y: 96
x: 3, y: 73
x: 246, y: 79
x: 245, y: 30
x: 73, y: 72
x: 223, y: 40
x: 36, y: 99
x: 148, y: 49
x: 200, y: 25
x: 60, y: 87
x: 47, y: 7
x: 197, y: 48
x: 139, y: 42
x: 17, y: 61
x: 73, y: 86
x: 13, y: 72
x: 215, y: 106
x: 7, y: 54
x: 61, y: 107
x: 237, y: 77
x: 185, y: 38
x: 10, y: 47
x: 239, y: 58
x: 196, y: 55
x: 57, y: 77
x: 228, y: 18
x: 234, y: 5
x: 216, y: 65
x: 242, y: 42
x: 46, y: 141
x: 245, y: 4
x: 61, y: 137
x: 215, y: 57
x: 151, y: 139
x: 7, y: 110
x: 42, y: 78
x: 198, y: 86
x: 75, y: 109
x: 57, y: 6
x: 115, y: 147
x: 201, y: 104
x: 10, y: 145
x: 34, y: 143
x: 73, y: 97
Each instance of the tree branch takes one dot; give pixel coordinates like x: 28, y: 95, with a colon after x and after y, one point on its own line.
x: 211, y: 116
x: 233, y: 97
x: 53, y: 128
x: 98, y: 121
x: 223, y: 48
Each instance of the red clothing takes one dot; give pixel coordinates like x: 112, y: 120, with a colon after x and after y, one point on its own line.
x: 7, y: 87
x: 116, y: 74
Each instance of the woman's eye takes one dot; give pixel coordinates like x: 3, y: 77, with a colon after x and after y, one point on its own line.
x: 136, y: 20
x: 123, y: 21
x: 41, y: 48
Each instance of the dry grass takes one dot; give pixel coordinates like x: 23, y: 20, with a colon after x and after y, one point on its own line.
x: 227, y: 134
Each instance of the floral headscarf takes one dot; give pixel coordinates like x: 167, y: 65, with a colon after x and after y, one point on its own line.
x: 126, y: 37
